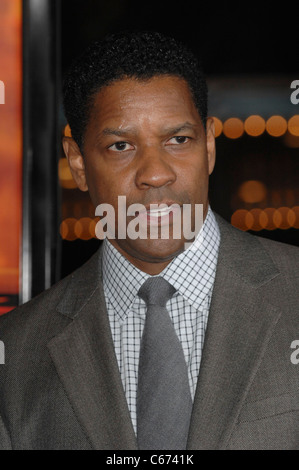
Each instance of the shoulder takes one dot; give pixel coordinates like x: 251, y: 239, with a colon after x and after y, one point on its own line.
x: 281, y: 253
x: 43, y: 309
x: 34, y: 322
x: 259, y: 260
x: 267, y: 270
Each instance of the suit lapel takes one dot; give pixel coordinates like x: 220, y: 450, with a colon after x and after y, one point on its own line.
x: 241, y: 321
x: 84, y: 356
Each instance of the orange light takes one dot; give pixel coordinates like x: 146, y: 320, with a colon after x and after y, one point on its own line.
x: 269, y: 212
x: 64, y: 229
x: 263, y: 219
x: 67, y: 131
x: 67, y: 229
x: 252, y: 191
x: 276, y: 126
x: 284, y: 212
x: 249, y: 220
x: 218, y: 126
x: 254, y: 125
x: 291, y: 218
x: 233, y: 128
x: 295, y: 209
x: 65, y: 175
x: 293, y: 125
x: 81, y: 228
x: 277, y: 218
x: 92, y: 227
x: 78, y: 228
x: 256, y: 213
x: 238, y: 219
x: 10, y: 146
x: 268, y: 219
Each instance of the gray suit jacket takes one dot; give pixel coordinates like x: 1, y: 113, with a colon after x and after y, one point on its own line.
x: 60, y: 386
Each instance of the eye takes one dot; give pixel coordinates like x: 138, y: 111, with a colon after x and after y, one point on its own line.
x: 121, y: 146
x: 178, y: 139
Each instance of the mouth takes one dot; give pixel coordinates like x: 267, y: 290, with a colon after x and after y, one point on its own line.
x: 160, y: 213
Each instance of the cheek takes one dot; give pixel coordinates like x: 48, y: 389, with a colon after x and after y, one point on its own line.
x: 106, y: 185
x: 98, y: 188
x: 195, y: 174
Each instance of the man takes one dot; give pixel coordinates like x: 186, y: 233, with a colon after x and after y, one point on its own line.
x: 77, y: 372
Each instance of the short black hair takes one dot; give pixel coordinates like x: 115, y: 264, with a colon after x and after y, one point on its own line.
x: 140, y: 55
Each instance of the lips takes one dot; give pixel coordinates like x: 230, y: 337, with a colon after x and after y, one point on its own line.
x: 160, y: 213
x: 161, y: 205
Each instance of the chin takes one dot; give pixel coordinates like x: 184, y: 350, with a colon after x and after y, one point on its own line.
x: 154, y: 251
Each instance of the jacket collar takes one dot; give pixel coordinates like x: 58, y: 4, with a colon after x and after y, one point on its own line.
x: 241, y: 322
x: 84, y: 357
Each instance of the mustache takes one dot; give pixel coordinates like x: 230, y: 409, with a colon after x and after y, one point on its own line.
x: 159, y: 197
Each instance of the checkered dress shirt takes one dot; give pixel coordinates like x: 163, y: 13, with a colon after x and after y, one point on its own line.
x: 192, y: 273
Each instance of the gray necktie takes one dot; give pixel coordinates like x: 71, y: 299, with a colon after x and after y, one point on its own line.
x: 164, y: 401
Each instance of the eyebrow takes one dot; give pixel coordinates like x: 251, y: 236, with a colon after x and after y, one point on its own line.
x: 117, y: 132
x: 130, y: 130
x: 181, y: 127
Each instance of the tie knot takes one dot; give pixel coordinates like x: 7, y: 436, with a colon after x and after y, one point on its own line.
x: 156, y: 291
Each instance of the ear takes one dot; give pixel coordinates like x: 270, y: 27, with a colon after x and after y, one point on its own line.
x: 76, y: 162
x: 211, y: 147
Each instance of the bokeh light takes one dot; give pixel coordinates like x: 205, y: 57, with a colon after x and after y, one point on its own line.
x: 67, y: 131
x: 270, y: 218
x: 218, y: 126
x: 293, y: 125
x: 81, y: 228
x: 65, y: 176
x: 276, y: 126
x: 254, y: 125
x: 252, y: 191
x: 67, y: 229
x: 233, y: 128
x: 269, y: 212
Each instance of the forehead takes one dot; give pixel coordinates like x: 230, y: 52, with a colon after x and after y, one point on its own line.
x: 153, y: 100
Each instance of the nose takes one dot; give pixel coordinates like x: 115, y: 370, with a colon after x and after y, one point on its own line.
x: 154, y: 169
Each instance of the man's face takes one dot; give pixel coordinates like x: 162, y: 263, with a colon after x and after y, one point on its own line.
x: 145, y: 140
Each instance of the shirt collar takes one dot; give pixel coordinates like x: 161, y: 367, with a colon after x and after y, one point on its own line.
x: 192, y: 272
x: 121, y: 279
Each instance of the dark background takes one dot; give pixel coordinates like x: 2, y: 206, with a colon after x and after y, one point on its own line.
x: 245, y: 40
x: 247, y: 37
x: 250, y: 54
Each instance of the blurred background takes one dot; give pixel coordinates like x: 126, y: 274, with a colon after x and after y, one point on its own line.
x: 250, y: 57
